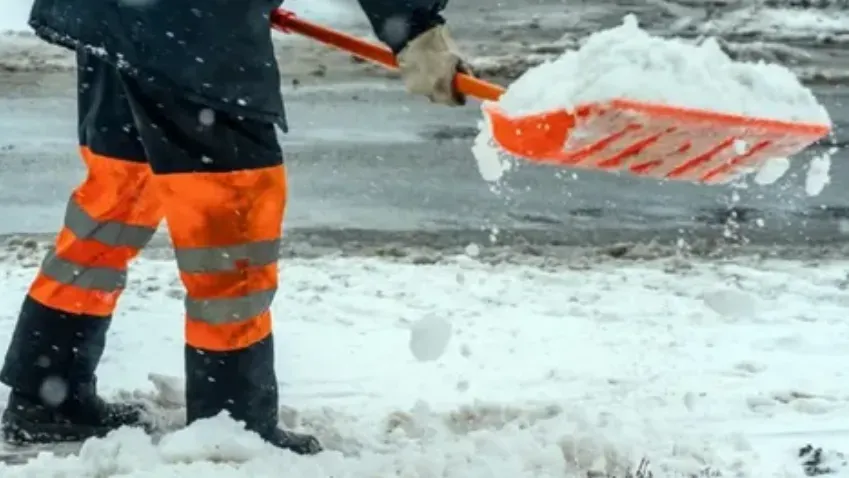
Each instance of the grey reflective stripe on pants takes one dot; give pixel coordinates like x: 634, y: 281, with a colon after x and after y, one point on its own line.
x: 228, y: 310
x: 212, y: 260
x: 110, y: 233
x: 229, y: 258
x: 94, y: 278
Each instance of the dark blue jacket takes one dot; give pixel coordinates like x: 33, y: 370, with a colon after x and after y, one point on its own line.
x: 217, y: 52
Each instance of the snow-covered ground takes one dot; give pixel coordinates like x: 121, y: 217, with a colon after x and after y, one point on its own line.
x: 462, y: 369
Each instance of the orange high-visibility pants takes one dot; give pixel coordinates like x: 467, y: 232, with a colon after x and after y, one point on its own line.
x: 110, y: 217
x: 216, y: 178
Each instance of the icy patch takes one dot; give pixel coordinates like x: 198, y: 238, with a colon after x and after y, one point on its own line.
x: 628, y: 62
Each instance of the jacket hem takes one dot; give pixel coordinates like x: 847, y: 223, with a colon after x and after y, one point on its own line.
x: 156, y: 79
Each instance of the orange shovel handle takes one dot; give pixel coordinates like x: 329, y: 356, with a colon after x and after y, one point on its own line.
x: 287, y: 22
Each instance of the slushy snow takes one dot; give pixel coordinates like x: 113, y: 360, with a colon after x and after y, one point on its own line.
x: 628, y: 62
x: 703, y: 368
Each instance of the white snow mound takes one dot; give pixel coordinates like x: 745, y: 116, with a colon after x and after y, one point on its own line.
x: 628, y: 62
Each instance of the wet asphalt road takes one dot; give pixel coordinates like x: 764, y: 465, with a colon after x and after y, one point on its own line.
x: 368, y: 158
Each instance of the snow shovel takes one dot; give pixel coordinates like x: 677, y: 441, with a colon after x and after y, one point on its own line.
x: 619, y: 135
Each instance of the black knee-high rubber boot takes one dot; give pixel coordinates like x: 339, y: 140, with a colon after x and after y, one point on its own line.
x: 244, y: 384
x: 50, y: 366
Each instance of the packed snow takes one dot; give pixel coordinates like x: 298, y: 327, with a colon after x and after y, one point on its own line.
x: 628, y: 62
x: 468, y: 370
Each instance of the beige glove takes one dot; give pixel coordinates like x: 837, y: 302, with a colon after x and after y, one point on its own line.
x: 428, y: 64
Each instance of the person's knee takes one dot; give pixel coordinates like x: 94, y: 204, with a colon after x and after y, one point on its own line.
x: 226, y: 230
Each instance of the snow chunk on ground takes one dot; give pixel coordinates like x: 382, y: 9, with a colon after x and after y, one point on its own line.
x: 628, y: 62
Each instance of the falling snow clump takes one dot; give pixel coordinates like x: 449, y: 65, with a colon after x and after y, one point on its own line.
x: 429, y: 338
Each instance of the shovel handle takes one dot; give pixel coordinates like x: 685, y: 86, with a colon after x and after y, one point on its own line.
x: 287, y: 22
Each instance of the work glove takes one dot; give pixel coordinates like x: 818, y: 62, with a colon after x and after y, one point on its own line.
x: 428, y: 64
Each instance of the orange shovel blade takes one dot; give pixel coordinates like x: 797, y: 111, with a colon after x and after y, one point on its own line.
x: 652, y: 140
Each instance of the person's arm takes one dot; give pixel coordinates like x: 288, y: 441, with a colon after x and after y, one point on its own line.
x: 396, y: 22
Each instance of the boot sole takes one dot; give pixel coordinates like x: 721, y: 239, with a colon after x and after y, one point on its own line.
x: 17, y: 431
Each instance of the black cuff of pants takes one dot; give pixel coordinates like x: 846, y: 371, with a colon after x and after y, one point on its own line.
x: 48, y: 343
x: 417, y: 23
